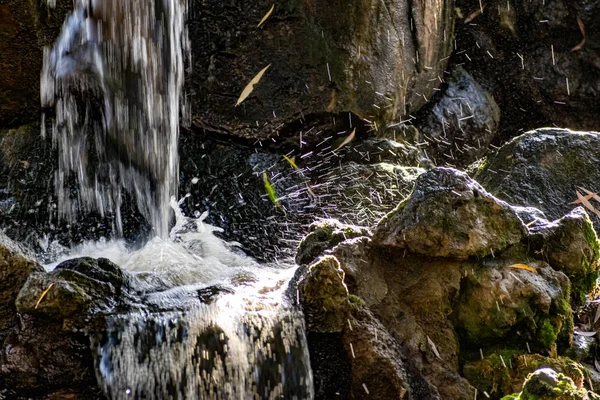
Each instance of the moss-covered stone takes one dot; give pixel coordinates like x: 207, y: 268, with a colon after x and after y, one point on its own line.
x: 547, y: 384
x: 323, y: 235
x: 324, y: 296
x: 504, y: 371
x: 450, y: 215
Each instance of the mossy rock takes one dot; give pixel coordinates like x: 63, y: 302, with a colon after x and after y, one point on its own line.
x: 450, y: 215
x: 504, y: 372
x: 324, y: 296
x: 324, y: 235
x: 547, y: 384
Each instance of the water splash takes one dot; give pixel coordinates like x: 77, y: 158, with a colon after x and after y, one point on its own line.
x: 115, y: 76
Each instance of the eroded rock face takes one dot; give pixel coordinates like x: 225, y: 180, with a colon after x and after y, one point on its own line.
x: 447, y: 308
x: 378, y: 60
x: 450, y: 215
x: 532, y: 58
x: 544, y: 169
x: 460, y: 122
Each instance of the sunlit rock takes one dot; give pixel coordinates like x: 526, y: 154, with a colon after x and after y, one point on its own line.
x: 450, y: 215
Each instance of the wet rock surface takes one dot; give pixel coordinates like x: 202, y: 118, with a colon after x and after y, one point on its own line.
x: 538, y: 60
x: 459, y: 122
x: 443, y: 311
x: 544, y: 169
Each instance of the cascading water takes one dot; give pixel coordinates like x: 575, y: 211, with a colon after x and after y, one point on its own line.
x: 115, y: 75
x: 131, y: 55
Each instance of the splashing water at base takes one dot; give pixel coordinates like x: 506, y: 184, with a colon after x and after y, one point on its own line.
x: 246, y: 342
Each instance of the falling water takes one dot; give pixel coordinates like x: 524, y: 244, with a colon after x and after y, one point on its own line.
x: 115, y: 76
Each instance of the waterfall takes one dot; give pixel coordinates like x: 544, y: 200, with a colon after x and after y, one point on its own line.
x: 115, y: 76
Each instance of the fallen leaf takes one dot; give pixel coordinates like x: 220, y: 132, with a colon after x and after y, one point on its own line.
x: 250, y: 86
x: 291, y: 161
x: 347, y: 139
x: 582, y: 29
x: 582, y: 333
x: 523, y: 266
x: 434, y: 348
x: 267, y: 15
x: 474, y: 15
x: 590, y: 194
x: 43, y: 295
x: 587, y: 204
x: 597, y: 365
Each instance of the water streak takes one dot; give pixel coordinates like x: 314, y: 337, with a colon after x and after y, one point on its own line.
x: 115, y: 76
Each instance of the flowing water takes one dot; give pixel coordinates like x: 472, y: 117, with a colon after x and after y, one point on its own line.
x: 214, y: 324
x: 115, y: 76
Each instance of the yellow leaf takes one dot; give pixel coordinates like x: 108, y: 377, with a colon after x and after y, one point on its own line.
x: 43, y: 295
x: 267, y: 15
x: 291, y: 161
x: 250, y: 87
x: 523, y: 266
x: 346, y: 140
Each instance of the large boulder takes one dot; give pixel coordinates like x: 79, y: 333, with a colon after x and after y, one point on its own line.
x: 460, y: 122
x: 545, y: 169
x: 377, y: 60
x: 450, y: 215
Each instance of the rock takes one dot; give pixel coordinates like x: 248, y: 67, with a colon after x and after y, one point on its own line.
x: 570, y: 245
x: 325, y: 235
x: 503, y: 373
x: 32, y: 26
x: 582, y: 347
x: 545, y: 383
x: 450, y: 215
x: 15, y: 268
x: 324, y: 296
x: 527, y: 56
x: 460, y: 122
x: 325, y: 58
x: 544, y: 169
x: 502, y: 305
x: 75, y: 290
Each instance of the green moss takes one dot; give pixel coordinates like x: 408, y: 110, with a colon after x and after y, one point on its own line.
x: 355, y: 301
x: 547, y: 333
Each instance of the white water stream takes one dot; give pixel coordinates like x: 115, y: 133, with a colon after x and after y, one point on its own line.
x: 115, y: 76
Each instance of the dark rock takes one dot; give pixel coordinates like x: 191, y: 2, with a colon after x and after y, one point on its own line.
x: 544, y: 169
x: 460, y: 122
x: 325, y: 235
x: 524, y: 54
x: 450, y: 215
x: 325, y: 57
x: 15, y: 268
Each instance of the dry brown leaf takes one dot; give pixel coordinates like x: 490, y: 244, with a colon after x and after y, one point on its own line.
x: 587, y: 204
x: 474, y: 15
x: 523, y: 267
x: 43, y: 294
x: 250, y: 86
x: 582, y: 29
x: 587, y: 197
x: 267, y: 15
x: 347, y: 140
x: 590, y: 194
x: 434, y: 348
